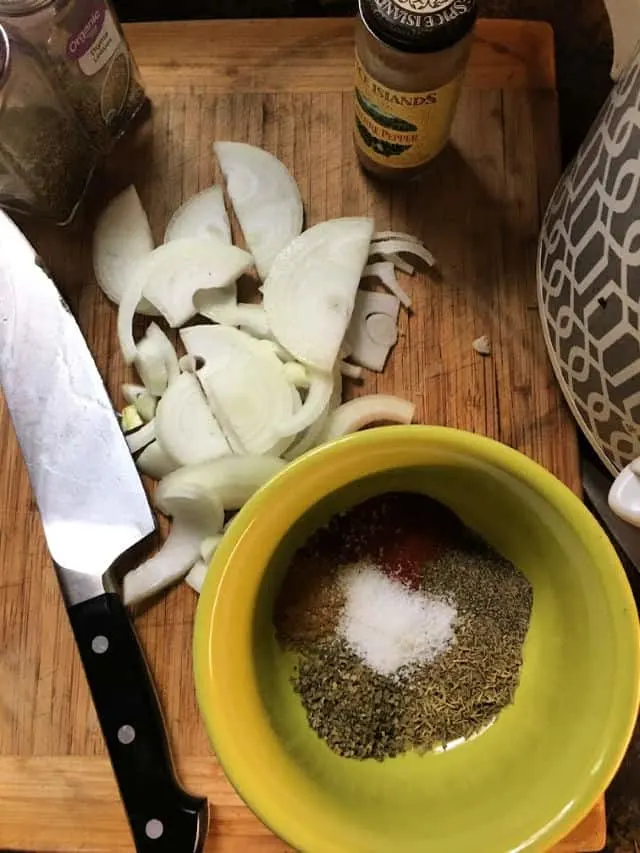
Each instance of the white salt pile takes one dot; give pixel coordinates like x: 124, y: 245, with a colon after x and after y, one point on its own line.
x: 390, y: 626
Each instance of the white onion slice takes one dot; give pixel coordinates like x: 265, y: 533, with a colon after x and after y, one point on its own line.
x: 208, y: 547
x: 185, y: 426
x: 370, y: 308
x: 316, y: 401
x: 397, y: 245
x: 232, y: 479
x: 312, y: 435
x: 130, y: 419
x: 122, y: 237
x: 310, y: 292
x: 144, y: 402
x: 141, y: 437
x: 394, y: 235
x: 216, y: 303
x: 155, y: 462
x: 297, y: 374
x: 265, y: 197
x: 156, y: 360
x: 372, y: 408
x: 382, y: 329
x: 202, y: 215
x: 171, y: 275
x: 196, y: 575
x: 245, y: 384
x: 400, y: 264
x: 385, y: 273
x: 351, y: 371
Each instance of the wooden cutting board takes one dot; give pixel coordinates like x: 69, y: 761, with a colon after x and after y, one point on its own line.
x: 284, y: 85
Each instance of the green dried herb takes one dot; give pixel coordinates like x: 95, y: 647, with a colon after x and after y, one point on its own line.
x: 361, y: 714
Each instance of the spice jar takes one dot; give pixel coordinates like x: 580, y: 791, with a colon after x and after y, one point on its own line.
x: 410, y: 60
x: 46, y: 158
x: 69, y: 88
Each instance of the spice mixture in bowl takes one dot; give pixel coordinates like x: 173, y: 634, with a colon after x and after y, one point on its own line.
x: 416, y: 638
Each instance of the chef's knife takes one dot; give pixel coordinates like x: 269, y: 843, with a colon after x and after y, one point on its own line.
x: 93, y: 510
x: 596, y: 486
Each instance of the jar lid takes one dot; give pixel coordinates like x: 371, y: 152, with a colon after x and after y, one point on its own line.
x: 419, y: 26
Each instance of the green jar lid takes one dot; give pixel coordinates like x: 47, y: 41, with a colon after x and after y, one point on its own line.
x: 419, y: 26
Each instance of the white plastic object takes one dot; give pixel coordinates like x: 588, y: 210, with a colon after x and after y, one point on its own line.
x: 624, y: 495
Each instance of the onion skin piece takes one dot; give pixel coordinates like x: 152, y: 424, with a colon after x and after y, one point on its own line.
x: 363, y: 411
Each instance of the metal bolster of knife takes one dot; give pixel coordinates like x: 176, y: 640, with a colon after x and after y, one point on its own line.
x: 78, y: 586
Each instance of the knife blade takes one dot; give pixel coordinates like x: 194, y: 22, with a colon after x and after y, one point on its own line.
x: 94, y: 510
x: 596, y: 486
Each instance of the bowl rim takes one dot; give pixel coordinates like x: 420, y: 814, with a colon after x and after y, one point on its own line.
x: 412, y: 437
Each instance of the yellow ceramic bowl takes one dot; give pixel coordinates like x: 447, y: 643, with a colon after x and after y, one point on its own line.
x: 525, y: 782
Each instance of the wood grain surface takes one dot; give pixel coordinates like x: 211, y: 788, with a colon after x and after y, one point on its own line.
x: 286, y: 86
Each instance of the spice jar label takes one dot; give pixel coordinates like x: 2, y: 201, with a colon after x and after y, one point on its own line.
x: 95, y: 39
x: 402, y: 129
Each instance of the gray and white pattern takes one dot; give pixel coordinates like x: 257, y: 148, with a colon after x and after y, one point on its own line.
x: 589, y: 278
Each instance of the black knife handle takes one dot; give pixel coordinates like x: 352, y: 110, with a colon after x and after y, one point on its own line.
x: 163, y: 817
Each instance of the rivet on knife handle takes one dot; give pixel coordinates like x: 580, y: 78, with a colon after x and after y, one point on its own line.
x: 163, y: 817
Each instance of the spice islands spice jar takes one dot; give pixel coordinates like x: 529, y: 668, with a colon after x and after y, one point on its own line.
x: 410, y: 60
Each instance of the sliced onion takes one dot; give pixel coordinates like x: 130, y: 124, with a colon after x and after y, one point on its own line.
x: 156, y: 360
x: 310, y: 292
x: 384, y: 272
x: 246, y: 382
x: 169, y: 565
x: 372, y: 408
x: 410, y: 247
x: 217, y: 303
x: 155, y: 462
x: 312, y: 435
x: 394, y: 235
x: 141, y: 437
x: 209, y: 545
x: 265, y: 198
x: 316, y: 401
x: 187, y: 429
x: 122, y: 237
x: 143, y: 402
x: 400, y: 264
x: 373, y: 328
x: 297, y: 374
x: 232, y: 479
x: 202, y: 215
x: 171, y: 275
x: 196, y: 575
x: 352, y: 371
x: 130, y: 419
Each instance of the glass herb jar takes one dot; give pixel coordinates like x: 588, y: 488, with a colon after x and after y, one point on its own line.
x: 69, y: 88
x: 410, y: 60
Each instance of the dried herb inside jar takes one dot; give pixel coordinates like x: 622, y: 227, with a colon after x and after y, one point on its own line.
x: 52, y: 153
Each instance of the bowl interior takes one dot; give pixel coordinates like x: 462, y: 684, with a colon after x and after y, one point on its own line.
x: 520, y: 784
